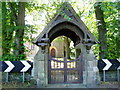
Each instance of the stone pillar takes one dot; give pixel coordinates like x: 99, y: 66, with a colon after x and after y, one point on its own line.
x: 84, y: 62
x: 46, y: 64
x: 93, y: 78
x: 89, y: 66
x: 40, y: 67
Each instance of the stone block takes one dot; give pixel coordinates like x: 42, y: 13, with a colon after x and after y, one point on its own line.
x: 95, y: 69
x: 39, y: 84
x: 40, y: 66
x: 41, y: 57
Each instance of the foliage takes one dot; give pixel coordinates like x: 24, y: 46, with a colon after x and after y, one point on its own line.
x: 29, y: 30
x: 110, y: 10
x: 113, y: 35
x: 12, y: 57
x: 72, y: 53
x: 43, y: 12
x: 10, y: 27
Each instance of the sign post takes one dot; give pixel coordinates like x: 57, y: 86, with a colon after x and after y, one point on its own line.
x: 23, y: 76
x: 104, y: 76
x: 118, y: 75
x: 6, y: 76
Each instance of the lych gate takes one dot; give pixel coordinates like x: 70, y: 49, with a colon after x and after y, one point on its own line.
x: 83, y: 69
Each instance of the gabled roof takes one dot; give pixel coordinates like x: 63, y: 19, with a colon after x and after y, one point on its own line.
x: 70, y: 16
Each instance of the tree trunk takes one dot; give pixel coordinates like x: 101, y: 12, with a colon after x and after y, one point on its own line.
x: 67, y: 49
x: 18, y: 40
x: 101, y: 30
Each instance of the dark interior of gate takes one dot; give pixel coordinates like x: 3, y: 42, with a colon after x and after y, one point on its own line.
x: 64, y: 70
x: 67, y: 29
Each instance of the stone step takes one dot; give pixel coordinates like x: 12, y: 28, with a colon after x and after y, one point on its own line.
x: 66, y: 86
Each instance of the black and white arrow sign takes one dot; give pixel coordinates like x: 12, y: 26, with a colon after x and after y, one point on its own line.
x: 119, y: 65
x: 16, y: 66
x: 27, y: 66
x: 10, y: 66
x: 109, y: 64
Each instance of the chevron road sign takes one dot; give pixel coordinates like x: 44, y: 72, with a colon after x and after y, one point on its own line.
x: 16, y: 66
x: 119, y: 65
x: 10, y: 66
x: 109, y: 64
x: 26, y: 66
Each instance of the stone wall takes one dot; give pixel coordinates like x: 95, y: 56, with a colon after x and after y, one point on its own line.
x: 16, y: 77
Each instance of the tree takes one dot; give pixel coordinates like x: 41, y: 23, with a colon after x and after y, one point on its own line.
x: 111, y: 17
x: 67, y: 47
x: 13, y: 21
x: 3, y: 28
x: 7, y: 29
x: 102, y: 32
x: 15, y: 32
x: 18, y: 13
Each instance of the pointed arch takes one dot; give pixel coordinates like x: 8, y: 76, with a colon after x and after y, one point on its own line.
x: 66, y: 29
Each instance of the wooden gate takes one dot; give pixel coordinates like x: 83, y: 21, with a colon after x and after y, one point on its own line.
x: 64, y: 71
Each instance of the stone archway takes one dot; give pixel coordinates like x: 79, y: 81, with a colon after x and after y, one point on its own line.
x: 83, y: 39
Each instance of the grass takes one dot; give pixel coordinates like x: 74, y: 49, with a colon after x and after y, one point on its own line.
x: 17, y: 85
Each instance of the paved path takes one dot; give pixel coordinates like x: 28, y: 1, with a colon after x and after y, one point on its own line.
x: 102, y: 85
